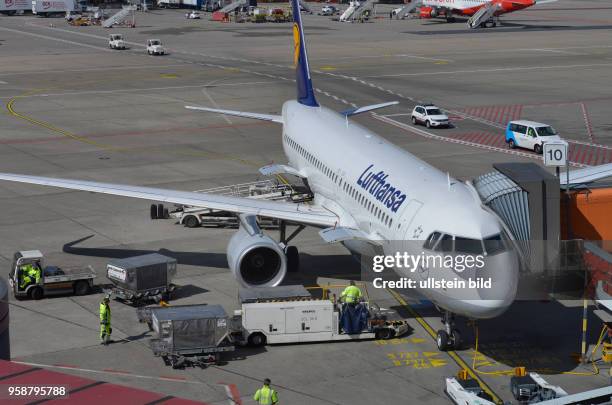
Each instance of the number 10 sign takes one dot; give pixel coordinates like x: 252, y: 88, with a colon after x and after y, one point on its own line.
x: 555, y: 153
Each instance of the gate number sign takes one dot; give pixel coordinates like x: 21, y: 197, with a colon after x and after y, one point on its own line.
x: 555, y: 153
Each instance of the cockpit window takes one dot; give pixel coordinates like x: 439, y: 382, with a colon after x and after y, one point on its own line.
x: 470, y: 246
x: 494, y: 244
x: 431, y: 240
x: 446, y: 244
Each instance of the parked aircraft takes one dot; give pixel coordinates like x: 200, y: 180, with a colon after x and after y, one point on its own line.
x: 370, y: 195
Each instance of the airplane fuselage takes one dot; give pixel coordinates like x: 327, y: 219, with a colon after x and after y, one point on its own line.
x: 396, y: 198
x: 468, y: 8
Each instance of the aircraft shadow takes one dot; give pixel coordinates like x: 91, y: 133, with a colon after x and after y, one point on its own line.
x: 542, y: 336
x: 216, y: 260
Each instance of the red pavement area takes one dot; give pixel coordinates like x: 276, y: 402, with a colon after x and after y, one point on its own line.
x: 80, y: 390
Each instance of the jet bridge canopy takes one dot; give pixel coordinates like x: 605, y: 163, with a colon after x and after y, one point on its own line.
x: 526, y: 198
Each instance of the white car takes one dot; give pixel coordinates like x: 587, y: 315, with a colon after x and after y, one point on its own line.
x: 154, y: 47
x: 430, y: 116
x: 194, y: 15
x: 329, y: 10
x: 115, y: 41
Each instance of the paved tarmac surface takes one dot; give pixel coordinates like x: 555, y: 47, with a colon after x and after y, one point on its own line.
x: 73, y: 108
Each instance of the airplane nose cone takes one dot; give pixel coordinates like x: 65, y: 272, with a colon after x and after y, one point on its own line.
x: 502, y: 270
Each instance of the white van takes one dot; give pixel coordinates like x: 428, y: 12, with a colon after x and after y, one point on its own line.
x: 529, y: 135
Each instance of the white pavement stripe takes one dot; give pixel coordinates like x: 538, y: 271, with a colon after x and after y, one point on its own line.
x: 141, y: 66
x: 511, y: 69
x: 77, y: 93
x: 430, y: 135
x: 100, y: 48
x: 126, y: 374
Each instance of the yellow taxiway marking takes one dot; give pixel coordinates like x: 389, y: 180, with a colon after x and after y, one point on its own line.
x: 416, y: 360
x: 10, y: 108
x: 453, y: 355
x: 169, y: 76
x: 328, y: 68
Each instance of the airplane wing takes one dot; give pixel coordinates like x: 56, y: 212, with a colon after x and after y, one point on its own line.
x: 300, y: 213
x: 257, y: 116
x: 359, y: 110
x: 587, y: 175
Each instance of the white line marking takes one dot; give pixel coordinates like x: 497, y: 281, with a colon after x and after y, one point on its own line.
x: 514, y: 69
x: 429, y: 135
x: 34, y: 72
x: 100, y: 48
x: 77, y: 93
x: 126, y: 374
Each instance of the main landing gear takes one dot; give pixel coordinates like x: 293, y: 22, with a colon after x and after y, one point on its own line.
x: 449, y: 337
x: 293, y: 256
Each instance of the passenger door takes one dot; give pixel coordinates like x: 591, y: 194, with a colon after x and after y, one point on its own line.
x: 532, y: 137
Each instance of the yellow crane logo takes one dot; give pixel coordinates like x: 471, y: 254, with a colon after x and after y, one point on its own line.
x: 296, y: 44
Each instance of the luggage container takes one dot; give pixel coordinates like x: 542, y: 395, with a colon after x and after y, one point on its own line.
x: 188, y: 334
x: 142, y: 278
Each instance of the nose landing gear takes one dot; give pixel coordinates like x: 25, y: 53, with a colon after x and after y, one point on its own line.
x: 448, y: 338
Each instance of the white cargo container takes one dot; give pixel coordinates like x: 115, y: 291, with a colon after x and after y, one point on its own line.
x: 11, y: 7
x: 46, y: 8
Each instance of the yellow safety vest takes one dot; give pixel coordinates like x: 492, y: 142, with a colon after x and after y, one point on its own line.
x: 351, y: 294
x: 266, y: 396
x: 105, y: 314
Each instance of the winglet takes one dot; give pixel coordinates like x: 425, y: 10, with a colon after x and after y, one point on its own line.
x: 305, y: 92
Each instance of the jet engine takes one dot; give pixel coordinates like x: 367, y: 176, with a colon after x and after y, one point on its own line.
x: 428, y: 12
x: 255, y: 259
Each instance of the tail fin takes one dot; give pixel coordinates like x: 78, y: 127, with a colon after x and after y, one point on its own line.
x: 305, y: 92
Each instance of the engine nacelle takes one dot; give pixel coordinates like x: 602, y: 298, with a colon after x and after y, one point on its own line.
x: 427, y: 12
x: 255, y: 259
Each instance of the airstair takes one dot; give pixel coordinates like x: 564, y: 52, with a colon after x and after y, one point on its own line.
x: 305, y: 7
x: 484, y: 15
x: 118, y: 18
x: 233, y: 6
x: 269, y: 190
x: 357, y: 10
x: 407, y: 9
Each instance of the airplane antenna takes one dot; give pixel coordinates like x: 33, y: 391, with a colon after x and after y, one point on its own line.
x: 346, y: 120
x: 448, y: 179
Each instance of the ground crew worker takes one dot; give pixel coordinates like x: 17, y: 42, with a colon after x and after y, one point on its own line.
x: 29, y: 274
x: 351, y: 294
x: 266, y: 395
x: 105, y: 321
x: 25, y: 280
x: 34, y: 273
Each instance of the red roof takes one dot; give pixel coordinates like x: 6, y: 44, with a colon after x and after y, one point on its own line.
x: 80, y: 390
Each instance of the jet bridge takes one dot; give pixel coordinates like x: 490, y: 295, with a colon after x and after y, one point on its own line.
x: 527, y: 199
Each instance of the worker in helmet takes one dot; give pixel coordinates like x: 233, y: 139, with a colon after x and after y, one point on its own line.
x: 105, y: 321
x: 266, y: 395
x: 351, y: 294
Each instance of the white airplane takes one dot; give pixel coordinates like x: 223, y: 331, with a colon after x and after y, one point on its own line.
x: 370, y: 195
